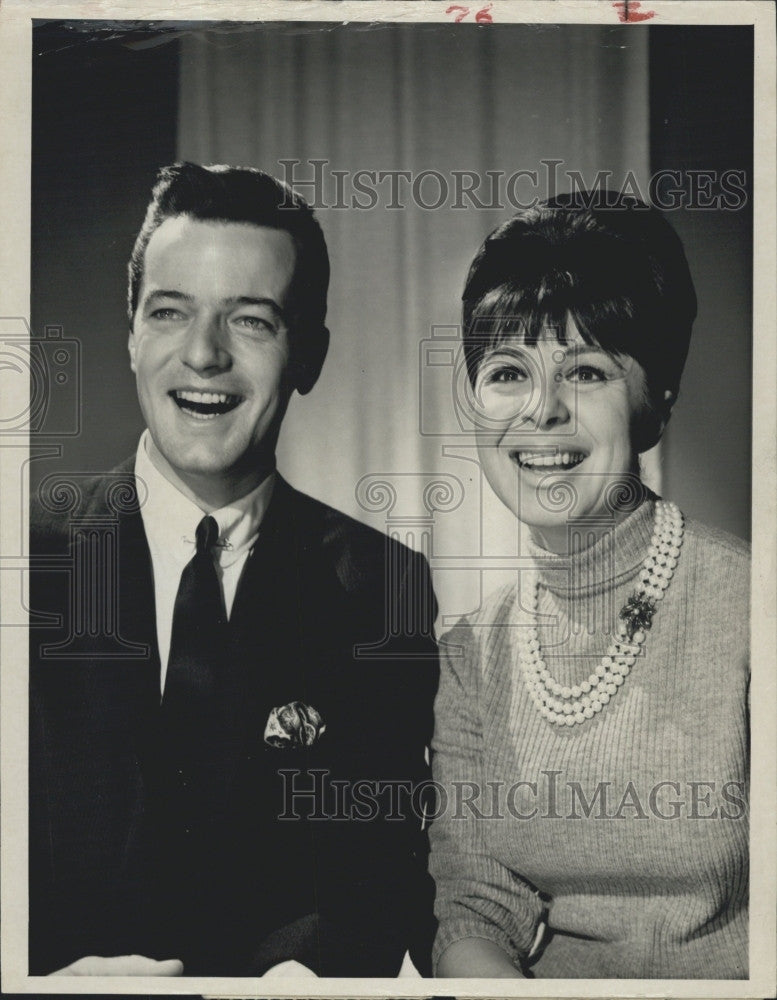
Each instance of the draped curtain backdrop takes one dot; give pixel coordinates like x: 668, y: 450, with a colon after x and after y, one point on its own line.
x: 378, y: 437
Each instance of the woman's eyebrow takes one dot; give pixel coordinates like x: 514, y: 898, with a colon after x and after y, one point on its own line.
x: 576, y: 350
x: 516, y: 351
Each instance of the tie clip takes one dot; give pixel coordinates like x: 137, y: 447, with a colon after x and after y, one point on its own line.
x: 228, y: 546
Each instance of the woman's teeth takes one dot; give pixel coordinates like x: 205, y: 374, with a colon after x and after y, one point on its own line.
x: 542, y: 460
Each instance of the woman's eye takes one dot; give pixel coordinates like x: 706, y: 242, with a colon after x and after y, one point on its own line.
x: 588, y: 373
x: 507, y: 373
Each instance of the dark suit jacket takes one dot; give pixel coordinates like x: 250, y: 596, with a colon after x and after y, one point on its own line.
x: 328, y: 612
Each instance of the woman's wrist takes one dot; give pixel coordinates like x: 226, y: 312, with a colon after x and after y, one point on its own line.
x: 476, y: 958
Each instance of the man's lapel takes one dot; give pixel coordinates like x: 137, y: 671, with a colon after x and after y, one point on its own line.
x: 100, y: 681
x: 267, y: 665
x: 136, y: 611
x: 137, y: 615
x: 109, y: 629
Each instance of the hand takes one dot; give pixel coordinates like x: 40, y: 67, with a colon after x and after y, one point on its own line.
x: 121, y: 965
x: 476, y: 958
x: 289, y: 970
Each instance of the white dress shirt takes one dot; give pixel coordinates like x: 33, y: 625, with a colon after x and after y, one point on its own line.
x: 170, y: 521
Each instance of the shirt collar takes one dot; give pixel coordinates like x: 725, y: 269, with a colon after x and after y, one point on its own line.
x: 170, y: 519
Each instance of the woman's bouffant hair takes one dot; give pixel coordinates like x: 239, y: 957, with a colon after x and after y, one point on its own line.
x: 619, y: 271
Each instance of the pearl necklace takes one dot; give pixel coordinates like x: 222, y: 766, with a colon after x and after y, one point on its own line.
x: 567, y: 706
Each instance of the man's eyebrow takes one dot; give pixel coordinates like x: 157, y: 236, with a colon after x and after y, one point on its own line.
x: 164, y: 293
x: 249, y: 300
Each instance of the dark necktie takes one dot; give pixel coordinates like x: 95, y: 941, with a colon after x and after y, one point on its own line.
x: 198, y: 632
x: 185, y: 776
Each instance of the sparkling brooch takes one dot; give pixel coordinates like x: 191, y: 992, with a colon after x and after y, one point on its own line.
x: 637, y: 613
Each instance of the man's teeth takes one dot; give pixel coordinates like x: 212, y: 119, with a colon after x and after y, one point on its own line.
x: 204, y: 405
x: 203, y: 397
x: 564, y: 459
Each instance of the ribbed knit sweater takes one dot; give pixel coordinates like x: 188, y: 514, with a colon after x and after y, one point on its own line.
x: 615, y: 848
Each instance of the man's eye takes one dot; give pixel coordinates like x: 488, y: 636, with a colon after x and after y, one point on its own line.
x: 587, y: 373
x: 254, y: 323
x: 166, y: 314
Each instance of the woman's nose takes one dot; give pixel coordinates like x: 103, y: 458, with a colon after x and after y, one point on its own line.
x: 549, y: 407
x: 205, y: 346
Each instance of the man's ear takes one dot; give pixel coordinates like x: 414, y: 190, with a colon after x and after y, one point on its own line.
x: 305, y: 371
x: 131, y: 349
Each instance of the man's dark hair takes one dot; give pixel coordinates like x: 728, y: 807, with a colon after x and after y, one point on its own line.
x: 619, y: 270
x: 245, y: 195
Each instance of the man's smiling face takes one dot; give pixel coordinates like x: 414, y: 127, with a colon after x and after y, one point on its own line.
x: 210, y: 348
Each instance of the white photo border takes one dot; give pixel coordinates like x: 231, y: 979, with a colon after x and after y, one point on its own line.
x: 16, y: 18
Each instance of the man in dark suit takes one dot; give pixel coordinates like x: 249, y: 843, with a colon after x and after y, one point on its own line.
x: 231, y: 683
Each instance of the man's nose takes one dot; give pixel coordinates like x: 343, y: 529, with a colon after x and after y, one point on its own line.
x: 205, y: 347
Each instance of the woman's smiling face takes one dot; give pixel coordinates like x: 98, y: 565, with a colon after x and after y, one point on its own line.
x: 555, y: 433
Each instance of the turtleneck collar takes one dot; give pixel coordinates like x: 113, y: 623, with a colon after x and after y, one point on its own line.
x: 611, y: 559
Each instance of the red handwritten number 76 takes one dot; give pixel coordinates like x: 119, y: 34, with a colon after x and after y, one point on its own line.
x: 629, y: 12
x: 482, y: 16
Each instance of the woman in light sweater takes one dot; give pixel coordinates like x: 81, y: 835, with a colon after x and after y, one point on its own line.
x: 592, y: 719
